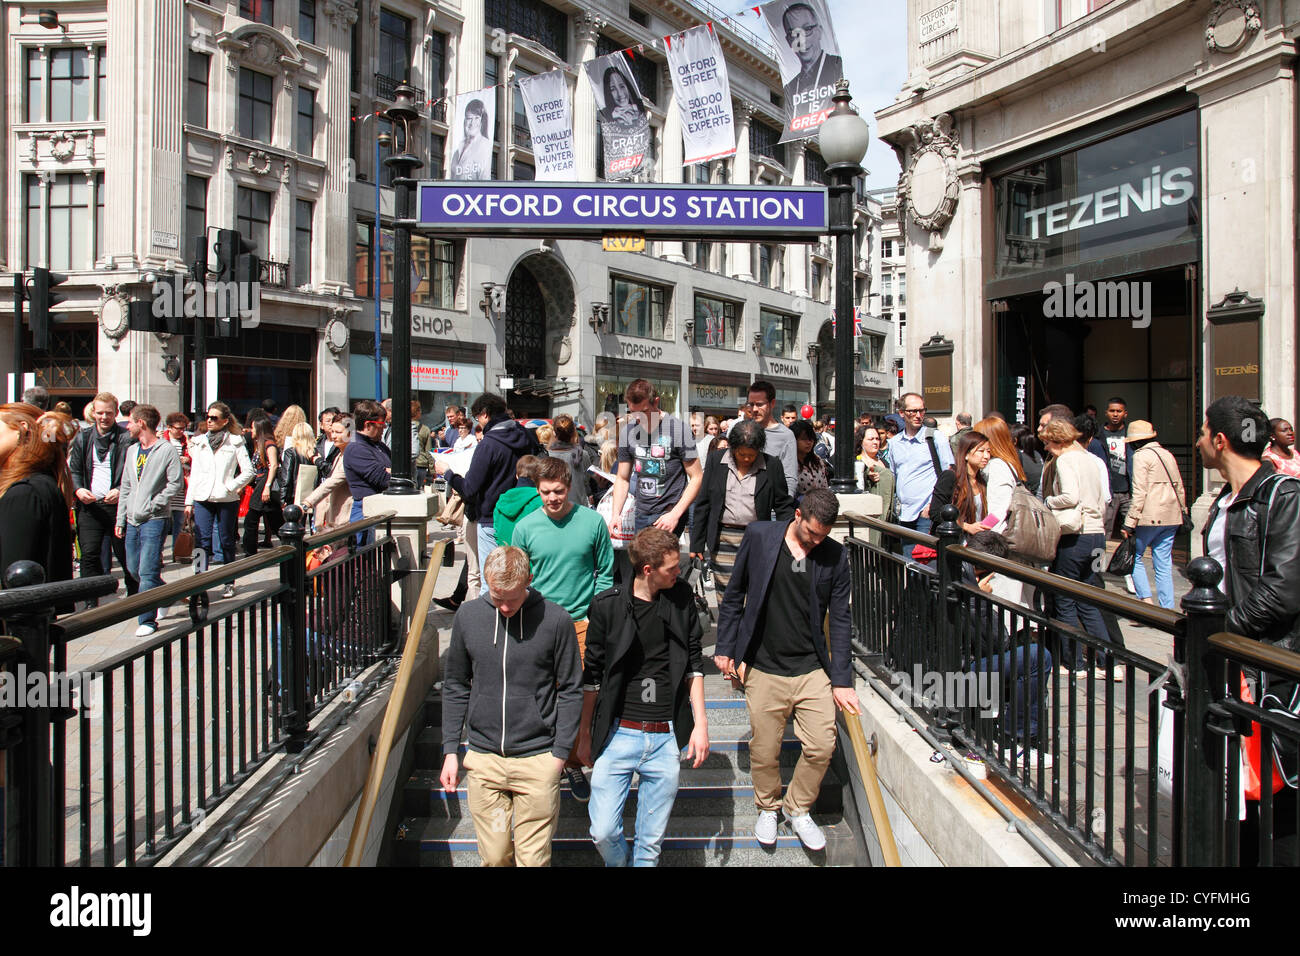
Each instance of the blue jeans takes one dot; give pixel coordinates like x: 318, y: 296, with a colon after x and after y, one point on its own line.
x: 922, y: 525
x: 177, y: 524
x: 144, y: 544
x: 361, y: 538
x: 487, y: 540
x: 657, y: 761
x: 222, y: 516
x: 1031, y: 665
x: 1074, y: 557
x: 1160, y: 539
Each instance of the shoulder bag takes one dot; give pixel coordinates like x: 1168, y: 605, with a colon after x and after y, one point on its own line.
x: 1032, y: 530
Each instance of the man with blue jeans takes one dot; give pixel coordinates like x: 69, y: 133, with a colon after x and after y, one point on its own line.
x: 917, y: 459
x: 643, y: 698
x: 151, y: 477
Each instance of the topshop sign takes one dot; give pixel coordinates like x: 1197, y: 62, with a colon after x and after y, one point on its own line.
x: 788, y: 213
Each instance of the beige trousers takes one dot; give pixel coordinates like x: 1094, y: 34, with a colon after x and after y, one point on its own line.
x: 771, y: 701
x: 523, y: 791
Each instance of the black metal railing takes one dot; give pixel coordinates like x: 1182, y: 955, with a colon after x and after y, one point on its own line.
x: 163, y: 732
x: 1086, y: 751
x: 386, y: 89
x: 274, y: 274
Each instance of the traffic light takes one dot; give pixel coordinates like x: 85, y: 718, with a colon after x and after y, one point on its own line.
x: 43, y: 280
x: 199, y: 264
x: 237, y: 296
x: 230, y: 246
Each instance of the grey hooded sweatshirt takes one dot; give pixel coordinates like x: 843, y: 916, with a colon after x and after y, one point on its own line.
x: 517, y: 679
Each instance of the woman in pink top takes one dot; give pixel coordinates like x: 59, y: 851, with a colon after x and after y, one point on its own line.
x: 1280, y: 451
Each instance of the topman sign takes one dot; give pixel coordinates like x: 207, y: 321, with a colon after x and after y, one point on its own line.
x: 587, y: 210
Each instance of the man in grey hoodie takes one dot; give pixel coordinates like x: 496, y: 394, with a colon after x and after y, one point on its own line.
x: 151, y: 477
x: 512, y: 666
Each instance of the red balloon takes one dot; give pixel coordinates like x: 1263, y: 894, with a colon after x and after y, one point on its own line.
x: 807, y: 412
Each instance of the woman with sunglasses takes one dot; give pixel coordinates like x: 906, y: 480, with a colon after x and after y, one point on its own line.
x: 220, y: 467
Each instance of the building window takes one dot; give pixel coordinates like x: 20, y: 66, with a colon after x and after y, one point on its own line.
x: 302, y: 213
x: 817, y: 281
x: 355, y: 59
x: 887, y: 248
x: 307, y: 20
x: 873, y: 351
x: 196, y: 90
x: 35, y: 87
x: 68, y: 222
x: 69, y: 85
x: 523, y: 135
x: 99, y: 214
x: 436, y: 44
x: 643, y: 69
x: 363, y: 259
x: 638, y: 16
x: 253, y: 218
x: 640, y: 308
x: 902, y: 289
x: 255, y: 105
x: 703, y: 254
x: 780, y: 333
x: 259, y: 11
x: 814, y: 167
x: 394, y: 45
x: 196, y: 211
x: 523, y: 172
x: 101, y: 82
x: 437, y: 155
x: 717, y: 323
x: 532, y: 19
x: 305, y: 132
x: 765, y: 140
x: 440, y: 278
x: 766, y: 273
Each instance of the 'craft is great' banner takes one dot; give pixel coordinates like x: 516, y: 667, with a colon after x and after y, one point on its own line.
x: 550, y: 121
x: 624, y: 122
x: 703, y: 94
x: 809, y: 59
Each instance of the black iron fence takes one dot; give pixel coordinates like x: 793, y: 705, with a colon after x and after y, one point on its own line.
x: 1102, y: 753
x: 123, y: 758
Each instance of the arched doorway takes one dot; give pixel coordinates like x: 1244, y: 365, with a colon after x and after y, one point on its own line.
x: 540, y: 311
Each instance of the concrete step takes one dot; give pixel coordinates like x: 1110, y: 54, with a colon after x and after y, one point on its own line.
x: 699, y: 792
x: 713, y: 842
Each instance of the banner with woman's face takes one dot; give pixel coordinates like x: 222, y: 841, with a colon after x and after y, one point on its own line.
x: 472, y: 134
x: 624, y: 121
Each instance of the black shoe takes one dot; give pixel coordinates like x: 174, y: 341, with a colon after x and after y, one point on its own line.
x: 578, y: 784
x: 449, y: 603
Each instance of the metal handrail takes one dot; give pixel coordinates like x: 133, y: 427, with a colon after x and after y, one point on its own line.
x: 1245, y: 650
x: 330, y: 535
x: 871, y: 784
x: 396, y: 700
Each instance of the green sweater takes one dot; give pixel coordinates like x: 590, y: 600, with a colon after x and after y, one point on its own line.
x: 511, y: 506
x: 572, y: 559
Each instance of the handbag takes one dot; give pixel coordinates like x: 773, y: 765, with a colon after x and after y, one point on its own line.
x: 1187, y: 525
x: 1124, y: 558
x: 183, y: 543
x: 1032, y: 530
x: 453, y: 512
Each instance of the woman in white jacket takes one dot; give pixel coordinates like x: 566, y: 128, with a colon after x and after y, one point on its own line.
x: 219, y: 469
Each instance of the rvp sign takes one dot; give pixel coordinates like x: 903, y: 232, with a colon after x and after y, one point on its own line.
x: 622, y: 242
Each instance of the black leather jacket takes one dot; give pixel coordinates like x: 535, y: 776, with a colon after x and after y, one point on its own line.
x: 1264, y: 602
x: 80, y: 462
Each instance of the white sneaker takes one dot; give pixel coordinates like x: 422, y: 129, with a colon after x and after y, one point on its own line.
x: 228, y: 591
x: 1129, y: 586
x: 765, y: 828
x: 808, y: 832
x: 144, y: 630
x: 162, y: 612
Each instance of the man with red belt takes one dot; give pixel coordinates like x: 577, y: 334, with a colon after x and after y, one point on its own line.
x: 643, y: 698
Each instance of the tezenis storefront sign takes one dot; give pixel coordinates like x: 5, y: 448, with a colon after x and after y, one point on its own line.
x: 587, y: 210
x: 1170, y: 188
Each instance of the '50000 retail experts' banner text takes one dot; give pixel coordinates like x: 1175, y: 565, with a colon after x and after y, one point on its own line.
x: 785, y: 213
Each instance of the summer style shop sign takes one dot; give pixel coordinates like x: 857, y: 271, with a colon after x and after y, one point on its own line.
x: 787, y: 213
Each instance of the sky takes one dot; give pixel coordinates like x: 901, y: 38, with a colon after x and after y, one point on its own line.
x: 872, y: 35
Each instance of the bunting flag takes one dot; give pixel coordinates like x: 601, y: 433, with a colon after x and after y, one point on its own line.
x: 699, y: 74
x: 624, y: 122
x: 857, y: 322
x: 809, y: 60
x: 550, y: 121
x: 472, y: 134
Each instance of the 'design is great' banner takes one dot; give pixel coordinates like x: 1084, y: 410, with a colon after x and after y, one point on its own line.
x: 787, y: 213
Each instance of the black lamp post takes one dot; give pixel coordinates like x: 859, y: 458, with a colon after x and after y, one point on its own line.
x: 843, y: 141
x: 399, y: 386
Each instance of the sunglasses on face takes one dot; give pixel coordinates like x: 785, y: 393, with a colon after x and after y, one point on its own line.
x: 214, y: 418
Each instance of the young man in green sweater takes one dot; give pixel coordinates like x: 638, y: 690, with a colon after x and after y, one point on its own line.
x: 519, y: 501
x: 571, y: 558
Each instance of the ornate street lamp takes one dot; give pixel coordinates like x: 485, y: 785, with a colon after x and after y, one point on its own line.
x: 843, y: 142
x: 403, y: 165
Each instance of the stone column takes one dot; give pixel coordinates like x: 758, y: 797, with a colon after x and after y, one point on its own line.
x: 469, y: 53
x: 334, y: 101
x: 670, y: 165
x: 161, y: 203
x: 586, y: 28
x: 796, y: 253
x: 741, y: 254
x: 127, y: 113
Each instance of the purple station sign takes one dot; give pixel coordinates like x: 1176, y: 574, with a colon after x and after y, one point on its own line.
x: 588, y: 210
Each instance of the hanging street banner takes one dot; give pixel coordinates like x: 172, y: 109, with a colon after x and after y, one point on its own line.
x: 590, y: 210
x: 624, y: 122
x: 550, y: 121
x: 809, y: 60
x: 703, y: 94
x: 472, y: 133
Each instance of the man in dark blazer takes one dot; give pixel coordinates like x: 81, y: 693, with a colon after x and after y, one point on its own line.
x: 788, y: 575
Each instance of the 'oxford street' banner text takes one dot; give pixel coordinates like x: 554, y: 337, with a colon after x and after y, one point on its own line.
x: 624, y: 122
x: 472, y: 134
x: 809, y: 60
x: 703, y: 94
x: 550, y: 121
x: 735, y: 213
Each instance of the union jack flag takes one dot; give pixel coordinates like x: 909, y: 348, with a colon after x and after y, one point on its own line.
x: 857, y: 322
x: 713, y: 329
